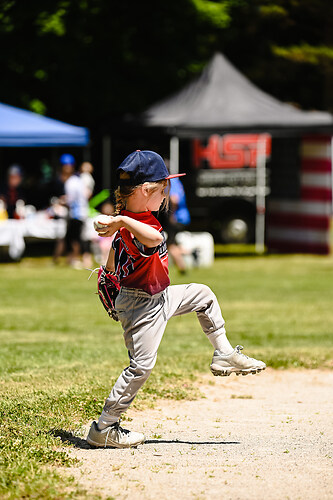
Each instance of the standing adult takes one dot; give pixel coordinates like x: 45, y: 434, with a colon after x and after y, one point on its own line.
x: 86, y: 171
x: 13, y: 191
x: 179, y: 218
x: 77, y: 203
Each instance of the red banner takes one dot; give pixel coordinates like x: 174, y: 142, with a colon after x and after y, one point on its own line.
x: 231, y: 151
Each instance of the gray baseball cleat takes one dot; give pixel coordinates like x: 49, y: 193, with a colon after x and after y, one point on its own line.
x: 236, y: 362
x: 113, y: 436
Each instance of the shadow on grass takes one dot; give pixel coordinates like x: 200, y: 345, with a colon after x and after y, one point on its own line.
x: 70, y: 438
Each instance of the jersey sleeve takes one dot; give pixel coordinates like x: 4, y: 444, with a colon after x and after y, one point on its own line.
x: 134, y: 247
x: 145, y: 251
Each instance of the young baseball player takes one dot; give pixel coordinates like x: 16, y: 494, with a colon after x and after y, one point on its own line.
x: 146, y: 301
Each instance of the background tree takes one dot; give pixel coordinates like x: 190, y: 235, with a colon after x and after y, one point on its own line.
x: 285, y: 47
x: 84, y: 60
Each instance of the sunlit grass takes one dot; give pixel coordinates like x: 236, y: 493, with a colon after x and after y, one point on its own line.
x: 60, y: 353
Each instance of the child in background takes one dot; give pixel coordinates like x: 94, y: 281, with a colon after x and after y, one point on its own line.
x: 102, y: 245
x: 146, y: 300
x: 179, y: 218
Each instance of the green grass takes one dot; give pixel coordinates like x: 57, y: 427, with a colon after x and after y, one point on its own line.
x: 60, y: 354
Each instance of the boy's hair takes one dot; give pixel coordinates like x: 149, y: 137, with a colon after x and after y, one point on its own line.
x: 122, y: 193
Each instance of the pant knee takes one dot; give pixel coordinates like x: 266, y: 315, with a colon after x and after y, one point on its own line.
x: 141, y: 370
x: 206, y: 298
x: 210, y: 315
x: 204, y: 293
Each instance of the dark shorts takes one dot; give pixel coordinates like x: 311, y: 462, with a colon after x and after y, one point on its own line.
x: 74, y: 230
x: 173, y: 230
x: 86, y: 246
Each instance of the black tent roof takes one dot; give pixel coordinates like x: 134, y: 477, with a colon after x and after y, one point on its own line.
x: 224, y: 99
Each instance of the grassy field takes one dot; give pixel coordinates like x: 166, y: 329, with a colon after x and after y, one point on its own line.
x: 60, y: 353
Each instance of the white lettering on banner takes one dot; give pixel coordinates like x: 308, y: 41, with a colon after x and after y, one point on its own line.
x: 230, y: 177
x: 226, y: 191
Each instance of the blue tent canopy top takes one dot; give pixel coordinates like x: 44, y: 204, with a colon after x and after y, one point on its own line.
x: 21, y: 128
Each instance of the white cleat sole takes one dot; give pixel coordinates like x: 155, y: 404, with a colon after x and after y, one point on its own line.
x: 104, y: 439
x: 113, y: 445
x: 217, y: 371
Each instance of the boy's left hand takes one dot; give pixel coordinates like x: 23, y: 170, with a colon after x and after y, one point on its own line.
x: 108, y: 288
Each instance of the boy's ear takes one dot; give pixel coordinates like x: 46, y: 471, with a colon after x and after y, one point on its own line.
x: 145, y: 190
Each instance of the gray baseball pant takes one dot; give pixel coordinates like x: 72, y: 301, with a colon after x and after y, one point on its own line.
x: 144, y: 318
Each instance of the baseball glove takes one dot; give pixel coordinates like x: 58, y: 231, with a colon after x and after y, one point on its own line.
x: 108, y: 288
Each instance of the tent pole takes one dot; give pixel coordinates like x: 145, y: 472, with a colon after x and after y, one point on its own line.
x: 174, y: 155
x: 261, y: 195
x: 332, y: 174
x: 106, y: 162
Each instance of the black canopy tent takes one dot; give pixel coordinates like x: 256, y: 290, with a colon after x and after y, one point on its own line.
x: 222, y: 99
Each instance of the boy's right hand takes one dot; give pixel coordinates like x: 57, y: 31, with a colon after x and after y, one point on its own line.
x: 106, y: 225
x: 101, y: 221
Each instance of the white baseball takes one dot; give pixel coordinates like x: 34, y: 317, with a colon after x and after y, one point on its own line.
x: 101, y: 221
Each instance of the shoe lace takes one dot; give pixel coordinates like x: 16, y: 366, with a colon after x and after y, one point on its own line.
x: 239, y: 348
x: 120, y: 429
x: 92, y: 271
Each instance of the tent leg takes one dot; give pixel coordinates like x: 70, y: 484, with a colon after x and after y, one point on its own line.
x: 332, y: 174
x: 106, y: 161
x: 261, y: 196
x: 174, y: 155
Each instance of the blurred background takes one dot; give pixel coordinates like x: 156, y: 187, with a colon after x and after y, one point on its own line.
x: 248, y: 83
x: 239, y: 95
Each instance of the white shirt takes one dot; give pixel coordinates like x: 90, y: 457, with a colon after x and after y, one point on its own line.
x: 89, y: 183
x: 76, y: 198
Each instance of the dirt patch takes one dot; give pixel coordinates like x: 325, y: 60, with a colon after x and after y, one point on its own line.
x: 264, y: 436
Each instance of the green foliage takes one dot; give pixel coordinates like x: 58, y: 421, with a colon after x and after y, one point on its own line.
x: 273, y: 10
x: 37, y: 106
x: 53, y: 23
x: 305, y: 53
x: 60, y: 353
x: 217, y: 13
x: 147, y: 50
x: 6, y: 25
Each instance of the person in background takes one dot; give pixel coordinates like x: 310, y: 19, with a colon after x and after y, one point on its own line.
x: 179, y: 218
x: 77, y: 203
x: 102, y: 245
x: 86, y: 170
x: 13, y: 191
x: 58, y: 209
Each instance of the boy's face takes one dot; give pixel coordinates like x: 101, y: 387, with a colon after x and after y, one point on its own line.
x: 156, y: 198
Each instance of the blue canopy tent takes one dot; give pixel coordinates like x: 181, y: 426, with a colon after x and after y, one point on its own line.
x: 21, y: 128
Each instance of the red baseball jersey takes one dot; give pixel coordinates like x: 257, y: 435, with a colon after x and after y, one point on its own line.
x: 136, y: 265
